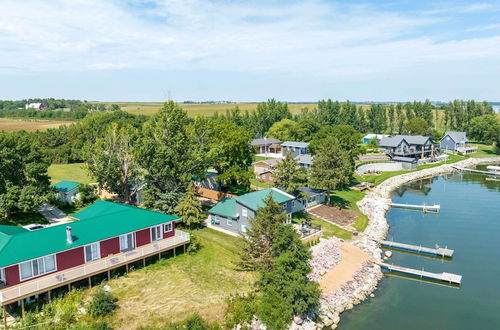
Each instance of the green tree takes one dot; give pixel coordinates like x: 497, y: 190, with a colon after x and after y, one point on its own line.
x: 392, y: 118
x: 332, y: 166
x: 285, y: 130
x: 256, y: 252
x: 483, y: 128
x: 189, y: 209
x: 23, y: 174
x: 289, y: 175
x: 112, y: 162
x: 401, y: 117
x: 417, y: 126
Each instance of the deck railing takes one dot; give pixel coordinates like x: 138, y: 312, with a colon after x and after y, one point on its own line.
x: 58, y: 278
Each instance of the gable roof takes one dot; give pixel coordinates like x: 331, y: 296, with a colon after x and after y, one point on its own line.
x: 269, y: 162
x: 99, y: 221
x: 255, y: 200
x: 457, y: 136
x: 226, y: 208
x: 65, y: 186
x: 394, y: 141
x: 265, y: 142
x: 295, y: 144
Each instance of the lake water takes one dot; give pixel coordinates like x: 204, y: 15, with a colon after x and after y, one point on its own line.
x: 469, y: 223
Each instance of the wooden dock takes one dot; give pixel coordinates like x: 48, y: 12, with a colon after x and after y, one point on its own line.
x: 475, y: 171
x: 441, y: 252
x: 425, y: 208
x: 442, y: 277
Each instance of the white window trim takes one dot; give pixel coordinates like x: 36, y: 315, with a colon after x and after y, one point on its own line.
x: 98, y: 251
x: 168, y: 224
x: 229, y: 221
x: 32, y: 271
x: 158, y: 231
x: 244, y: 212
x: 133, y: 242
x: 2, y: 275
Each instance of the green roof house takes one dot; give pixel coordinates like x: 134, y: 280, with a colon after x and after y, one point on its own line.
x: 66, y: 191
x: 105, y: 235
x: 233, y: 214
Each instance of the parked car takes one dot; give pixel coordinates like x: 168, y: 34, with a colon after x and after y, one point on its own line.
x: 33, y: 226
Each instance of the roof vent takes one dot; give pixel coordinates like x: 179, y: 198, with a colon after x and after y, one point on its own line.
x: 69, y: 236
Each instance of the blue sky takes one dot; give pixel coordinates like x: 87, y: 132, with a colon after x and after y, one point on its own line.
x: 139, y: 50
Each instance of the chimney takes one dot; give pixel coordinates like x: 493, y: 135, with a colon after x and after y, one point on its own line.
x: 69, y: 236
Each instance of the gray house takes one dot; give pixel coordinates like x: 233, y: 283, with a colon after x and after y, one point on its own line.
x: 456, y: 141
x: 233, y: 214
x: 305, y: 160
x: 296, y: 148
x: 408, y: 146
x: 312, y: 196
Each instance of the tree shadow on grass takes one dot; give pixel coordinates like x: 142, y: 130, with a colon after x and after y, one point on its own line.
x: 339, y: 202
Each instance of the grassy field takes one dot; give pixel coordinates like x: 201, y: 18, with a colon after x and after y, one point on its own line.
x: 173, y: 289
x: 483, y: 151
x: 329, y: 229
x: 71, y: 172
x: 193, y: 110
x: 10, y: 125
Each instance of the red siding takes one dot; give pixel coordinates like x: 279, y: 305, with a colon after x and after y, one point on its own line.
x: 143, y: 237
x: 170, y: 233
x: 70, y: 258
x: 12, y: 275
x: 110, y: 246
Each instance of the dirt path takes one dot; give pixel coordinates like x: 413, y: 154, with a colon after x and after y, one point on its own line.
x: 352, y: 259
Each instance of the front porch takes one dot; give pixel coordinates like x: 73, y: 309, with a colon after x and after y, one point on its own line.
x: 12, y: 294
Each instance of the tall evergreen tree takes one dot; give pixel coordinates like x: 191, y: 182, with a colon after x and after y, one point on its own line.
x: 189, y: 208
x: 289, y: 175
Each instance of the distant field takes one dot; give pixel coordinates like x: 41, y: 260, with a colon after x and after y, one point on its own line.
x: 10, y: 125
x: 149, y: 108
x: 70, y: 172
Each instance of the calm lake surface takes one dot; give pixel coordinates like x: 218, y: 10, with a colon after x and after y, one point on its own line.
x: 469, y: 223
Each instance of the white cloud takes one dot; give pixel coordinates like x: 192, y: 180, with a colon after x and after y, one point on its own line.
x: 310, y: 37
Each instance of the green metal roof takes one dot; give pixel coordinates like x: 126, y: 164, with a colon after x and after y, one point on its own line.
x: 226, y: 208
x: 101, y: 220
x: 255, y: 200
x: 66, y: 186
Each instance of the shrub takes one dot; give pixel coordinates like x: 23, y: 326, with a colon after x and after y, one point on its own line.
x: 194, y: 322
x: 98, y: 325
x: 102, y: 303
x: 240, y: 310
x: 194, y: 244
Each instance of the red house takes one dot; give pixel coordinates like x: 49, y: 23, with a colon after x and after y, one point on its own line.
x: 104, y: 236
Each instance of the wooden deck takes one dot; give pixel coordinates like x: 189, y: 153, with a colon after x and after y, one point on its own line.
x: 442, y: 277
x: 54, y: 280
x: 441, y: 252
x: 426, y: 208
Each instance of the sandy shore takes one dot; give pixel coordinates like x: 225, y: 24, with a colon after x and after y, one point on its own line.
x: 352, y: 260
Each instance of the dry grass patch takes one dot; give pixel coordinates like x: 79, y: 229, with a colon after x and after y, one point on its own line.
x: 11, y: 125
x: 174, y: 288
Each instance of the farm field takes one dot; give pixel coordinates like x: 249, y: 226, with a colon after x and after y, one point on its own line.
x: 11, y: 125
x: 193, y: 110
x: 71, y: 172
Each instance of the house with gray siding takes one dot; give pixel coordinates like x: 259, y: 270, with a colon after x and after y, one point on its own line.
x: 408, y: 146
x: 296, y: 148
x: 234, y: 214
x: 456, y: 141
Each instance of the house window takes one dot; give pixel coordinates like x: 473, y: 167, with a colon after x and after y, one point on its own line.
x: 168, y: 227
x: 156, y: 233
x: 244, y: 212
x: 127, y: 242
x: 229, y: 222
x: 92, y: 252
x: 36, y: 267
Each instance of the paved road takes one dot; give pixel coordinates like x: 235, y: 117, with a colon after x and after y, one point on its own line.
x: 53, y: 214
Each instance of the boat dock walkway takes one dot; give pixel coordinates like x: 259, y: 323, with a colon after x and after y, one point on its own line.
x: 441, y: 252
x: 443, y: 277
x: 426, y: 208
x: 475, y: 171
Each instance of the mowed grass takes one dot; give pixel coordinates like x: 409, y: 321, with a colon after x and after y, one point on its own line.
x: 71, y: 172
x: 11, y: 125
x: 193, y: 110
x: 328, y: 228
x: 484, y: 151
x: 173, y: 289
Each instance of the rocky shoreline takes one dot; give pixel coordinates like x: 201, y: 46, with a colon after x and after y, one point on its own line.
x: 374, y: 205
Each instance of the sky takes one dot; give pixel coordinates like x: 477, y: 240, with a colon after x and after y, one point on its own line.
x: 146, y: 50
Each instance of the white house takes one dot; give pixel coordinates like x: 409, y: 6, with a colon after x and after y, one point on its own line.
x: 35, y: 106
x: 67, y: 191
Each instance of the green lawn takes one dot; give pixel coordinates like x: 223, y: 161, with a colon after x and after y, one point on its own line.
x: 23, y: 219
x: 258, y: 184
x: 347, y: 199
x: 329, y: 229
x: 483, y: 151
x: 71, y: 172
x: 174, y: 288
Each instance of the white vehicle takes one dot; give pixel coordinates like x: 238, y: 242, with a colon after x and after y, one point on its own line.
x: 33, y: 226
